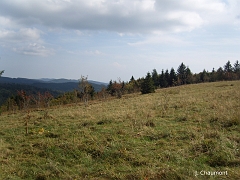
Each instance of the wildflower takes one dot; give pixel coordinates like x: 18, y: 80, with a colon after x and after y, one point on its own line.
x: 41, y: 131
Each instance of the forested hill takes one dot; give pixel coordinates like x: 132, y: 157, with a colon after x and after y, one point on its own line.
x: 8, y: 90
x: 10, y: 86
x: 62, y: 85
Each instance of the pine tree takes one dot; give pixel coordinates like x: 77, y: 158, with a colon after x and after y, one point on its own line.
x: 162, y: 80
x: 132, y: 79
x: 228, y: 69
x: 189, y: 76
x: 237, y: 69
x: 110, y: 88
x: 172, y: 78
x: 147, y: 85
x: 167, y: 78
x: 181, y: 72
x: 155, y: 78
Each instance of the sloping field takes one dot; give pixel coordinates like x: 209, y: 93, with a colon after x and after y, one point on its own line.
x: 186, y: 132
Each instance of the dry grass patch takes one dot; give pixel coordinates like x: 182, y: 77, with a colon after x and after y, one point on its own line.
x: 169, y: 134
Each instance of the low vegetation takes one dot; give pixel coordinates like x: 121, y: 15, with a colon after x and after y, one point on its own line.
x: 173, y: 133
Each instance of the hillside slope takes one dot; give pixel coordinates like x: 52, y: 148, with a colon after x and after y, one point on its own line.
x: 183, y: 132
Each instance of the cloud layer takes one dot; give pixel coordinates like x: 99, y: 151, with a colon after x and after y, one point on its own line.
x: 123, y: 16
x: 117, y: 34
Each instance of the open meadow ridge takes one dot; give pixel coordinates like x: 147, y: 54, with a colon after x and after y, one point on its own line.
x: 180, y: 132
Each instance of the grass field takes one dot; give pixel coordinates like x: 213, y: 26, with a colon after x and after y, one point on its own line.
x: 183, y: 132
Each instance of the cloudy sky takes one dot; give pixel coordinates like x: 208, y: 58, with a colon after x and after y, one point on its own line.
x: 111, y: 39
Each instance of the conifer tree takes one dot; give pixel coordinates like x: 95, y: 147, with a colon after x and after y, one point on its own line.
x: 181, y: 72
x: 132, y: 79
x: 236, y: 67
x: 172, y: 78
x: 162, y: 80
x: 189, y: 76
x: 155, y: 78
x: 110, y: 88
x: 167, y: 77
x: 147, y: 85
x: 228, y: 67
x: 228, y: 71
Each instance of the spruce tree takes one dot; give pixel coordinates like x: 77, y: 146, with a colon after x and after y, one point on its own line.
x: 155, y: 78
x: 182, y: 74
x: 228, y: 67
x: 147, y: 85
x: 236, y: 67
x: 110, y: 88
x: 162, y: 80
x: 172, y: 78
x: 189, y: 76
x: 132, y: 79
x: 167, y: 77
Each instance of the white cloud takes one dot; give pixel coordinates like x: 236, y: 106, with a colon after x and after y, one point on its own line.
x: 122, y: 16
x: 24, y: 41
x: 34, y: 49
x: 22, y: 35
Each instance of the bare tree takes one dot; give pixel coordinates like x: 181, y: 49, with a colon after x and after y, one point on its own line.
x: 84, y: 88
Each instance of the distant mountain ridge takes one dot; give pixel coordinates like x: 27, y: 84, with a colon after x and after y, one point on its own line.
x: 10, y: 86
x: 44, y: 80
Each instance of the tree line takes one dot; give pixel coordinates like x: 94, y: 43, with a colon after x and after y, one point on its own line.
x: 183, y: 75
x: 148, y: 84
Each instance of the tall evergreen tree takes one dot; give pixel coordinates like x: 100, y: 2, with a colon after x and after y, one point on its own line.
x: 167, y: 77
x: 181, y: 72
x: 110, y: 88
x: 147, y: 85
x: 236, y: 67
x: 155, y: 78
x: 189, y: 76
x: 228, y: 67
x: 162, y: 80
x: 172, y: 78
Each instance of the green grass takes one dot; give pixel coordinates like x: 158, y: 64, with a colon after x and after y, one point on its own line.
x: 169, y: 134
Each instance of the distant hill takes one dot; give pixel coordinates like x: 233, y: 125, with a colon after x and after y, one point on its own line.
x: 10, y: 86
x: 10, y: 89
x: 62, y: 85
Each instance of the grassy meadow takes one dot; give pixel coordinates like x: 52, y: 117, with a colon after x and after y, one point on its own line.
x: 175, y: 133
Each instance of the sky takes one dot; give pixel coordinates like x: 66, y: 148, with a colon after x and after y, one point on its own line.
x: 112, y: 39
